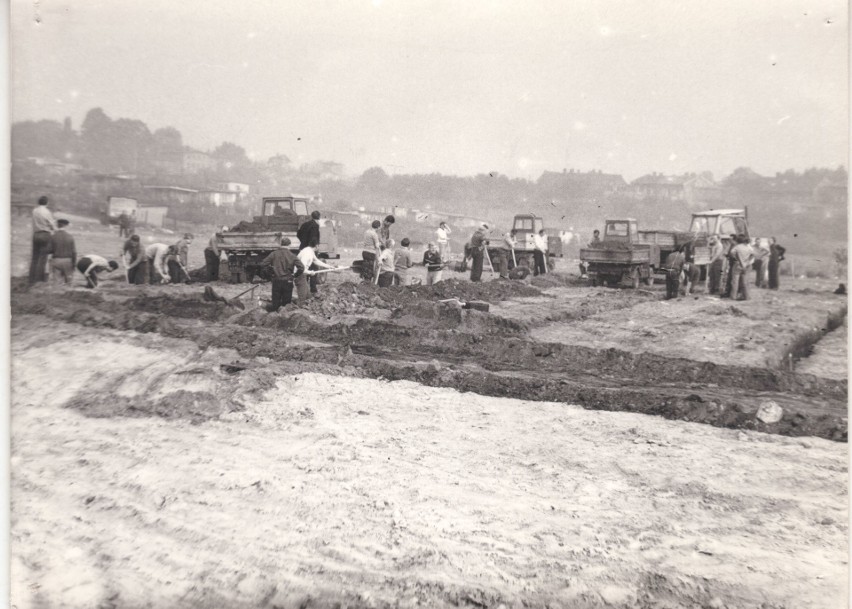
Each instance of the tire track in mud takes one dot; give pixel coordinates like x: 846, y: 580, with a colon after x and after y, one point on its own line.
x: 445, y: 346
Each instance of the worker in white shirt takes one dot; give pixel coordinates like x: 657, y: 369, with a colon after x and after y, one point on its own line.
x: 91, y: 264
x: 43, y: 227
x: 307, y: 257
x: 387, y: 267
x: 505, y: 254
x: 540, y: 253
x: 443, y: 234
x: 159, y: 255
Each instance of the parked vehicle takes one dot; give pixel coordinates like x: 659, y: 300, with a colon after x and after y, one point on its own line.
x: 619, y: 256
x: 525, y: 226
x: 248, y: 243
x: 721, y: 223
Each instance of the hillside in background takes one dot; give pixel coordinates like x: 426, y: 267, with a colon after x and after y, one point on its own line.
x: 79, y: 169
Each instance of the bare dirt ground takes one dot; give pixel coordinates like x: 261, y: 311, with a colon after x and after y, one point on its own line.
x: 375, y: 447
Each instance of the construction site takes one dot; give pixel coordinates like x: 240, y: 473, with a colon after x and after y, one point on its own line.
x: 565, y: 445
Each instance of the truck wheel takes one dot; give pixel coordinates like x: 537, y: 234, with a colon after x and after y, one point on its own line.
x: 595, y: 281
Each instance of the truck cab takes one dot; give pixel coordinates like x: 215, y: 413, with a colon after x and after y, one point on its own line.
x: 285, y: 214
x: 625, y: 230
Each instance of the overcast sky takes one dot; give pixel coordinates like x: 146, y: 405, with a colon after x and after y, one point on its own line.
x: 455, y: 87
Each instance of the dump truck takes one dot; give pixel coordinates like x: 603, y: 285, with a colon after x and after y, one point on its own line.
x: 248, y: 243
x: 619, y: 256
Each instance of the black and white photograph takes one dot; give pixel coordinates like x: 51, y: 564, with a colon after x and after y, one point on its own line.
x: 394, y: 304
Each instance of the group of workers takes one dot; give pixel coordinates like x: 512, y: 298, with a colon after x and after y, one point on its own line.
x: 729, y: 268
x: 506, y: 261
x: 157, y: 262
x: 53, y: 245
x: 385, y: 264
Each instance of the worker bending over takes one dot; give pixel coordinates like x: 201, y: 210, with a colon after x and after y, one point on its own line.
x: 91, y: 264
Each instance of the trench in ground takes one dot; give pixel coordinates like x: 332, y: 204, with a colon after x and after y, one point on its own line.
x: 441, y: 345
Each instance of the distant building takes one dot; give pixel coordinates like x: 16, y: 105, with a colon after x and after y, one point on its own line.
x: 239, y: 188
x: 693, y: 189
x: 219, y: 198
x: 171, y: 194
x: 195, y: 161
x: 154, y: 215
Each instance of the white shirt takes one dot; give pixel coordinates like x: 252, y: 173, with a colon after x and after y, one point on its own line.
x: 95, y: 260
x: 157, y: 252
x: 309, y: 257
x: 443, y: 235
x: 43, y: 219
x: 386, y: 261
x: 540, y: 242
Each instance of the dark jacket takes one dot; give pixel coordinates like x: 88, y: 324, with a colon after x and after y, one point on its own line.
x: 62, y: 246
x: 308, y: 231
x: 284, y: 264
x: 432, y: 261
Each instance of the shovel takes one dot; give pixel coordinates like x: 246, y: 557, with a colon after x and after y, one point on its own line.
x: 183, y: 268
x: 477, y: 305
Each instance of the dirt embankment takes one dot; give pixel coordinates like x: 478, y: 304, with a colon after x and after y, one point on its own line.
x: 534, y: 345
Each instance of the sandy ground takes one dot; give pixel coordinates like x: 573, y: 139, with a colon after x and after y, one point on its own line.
x: 325, y: 490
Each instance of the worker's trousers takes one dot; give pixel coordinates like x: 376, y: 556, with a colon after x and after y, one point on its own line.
x: 62, y: 269
x: 714, y: 276
x: 758, y: 273
x: 303, y: 289
x: 539, y: 267
x: 368, y: 268
x: 478, y: 257
x: 211, y: 261
x: 672, y: 283
x: 138, y: 275
x: 282, y: 294
x: 739, y: 281
x: 38, y: 264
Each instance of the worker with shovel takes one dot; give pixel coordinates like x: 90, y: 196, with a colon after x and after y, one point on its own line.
x: 285, y: 268
x: 177, y: 265
x: 507, y: 254
x: 308, y: 257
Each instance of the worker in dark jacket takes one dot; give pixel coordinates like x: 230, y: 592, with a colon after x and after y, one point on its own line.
x: 135, y: 261
x: 285, y: 267
x: 64, y: 253
x: 308, y: 232
x: 478, y: 243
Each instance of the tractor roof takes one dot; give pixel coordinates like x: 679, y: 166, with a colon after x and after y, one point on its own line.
x: 720, y: 212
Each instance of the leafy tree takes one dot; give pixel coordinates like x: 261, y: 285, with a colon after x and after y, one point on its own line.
x: 230, y: 155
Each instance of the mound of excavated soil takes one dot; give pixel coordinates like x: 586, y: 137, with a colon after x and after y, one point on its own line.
x: 355, y: 298
x: 191, y: 307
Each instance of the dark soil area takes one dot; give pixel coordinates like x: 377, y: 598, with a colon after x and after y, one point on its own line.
x: 441, y: 344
